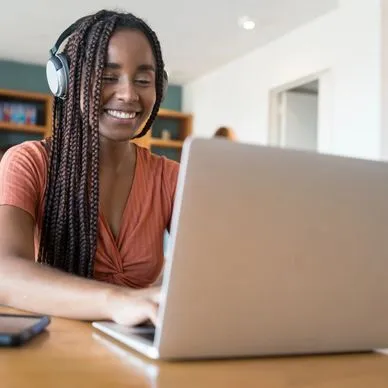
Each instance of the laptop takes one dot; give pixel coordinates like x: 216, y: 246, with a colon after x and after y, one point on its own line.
x: 273, y: 252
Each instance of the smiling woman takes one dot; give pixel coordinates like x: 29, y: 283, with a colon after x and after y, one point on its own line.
x: 83, y: 213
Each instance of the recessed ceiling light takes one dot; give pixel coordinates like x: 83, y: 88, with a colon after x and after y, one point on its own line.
x: 246, y: 23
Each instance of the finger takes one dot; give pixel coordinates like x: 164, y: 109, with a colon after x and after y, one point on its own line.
x: 132, y: 315
x: 132, y: 320
x: 155, y: 296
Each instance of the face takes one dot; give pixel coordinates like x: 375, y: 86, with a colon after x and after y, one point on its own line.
x: 128, y: 93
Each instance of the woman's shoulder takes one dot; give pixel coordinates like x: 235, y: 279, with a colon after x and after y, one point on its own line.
x: 31, y: 151
x: 159, y: 170
x: 23, y: 175
x: 28, y: 159
x: 156, y: 163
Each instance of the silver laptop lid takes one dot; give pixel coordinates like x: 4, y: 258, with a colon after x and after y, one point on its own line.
x: 275, y: 252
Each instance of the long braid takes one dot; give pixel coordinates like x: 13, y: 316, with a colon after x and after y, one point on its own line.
x: 75, y: 161
x: 52, y: 148
x: 62, y: 194
x: 87, y: 151
x: 65, y: 184
x: 94, y: 194
x: 70, y: 222
x: 62, y: 189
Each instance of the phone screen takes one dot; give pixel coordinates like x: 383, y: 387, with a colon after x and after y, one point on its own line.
x: 14, y: 325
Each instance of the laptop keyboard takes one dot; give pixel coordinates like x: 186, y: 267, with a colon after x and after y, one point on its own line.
x: 145, y: 330
x: 148, y: 335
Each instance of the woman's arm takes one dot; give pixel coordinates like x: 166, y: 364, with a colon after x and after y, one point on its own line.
x: 38, y: 288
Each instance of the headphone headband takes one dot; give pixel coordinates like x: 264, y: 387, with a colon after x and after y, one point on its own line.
x: 65, y: 34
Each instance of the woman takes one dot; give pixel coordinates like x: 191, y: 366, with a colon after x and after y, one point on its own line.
x: 83, y: 213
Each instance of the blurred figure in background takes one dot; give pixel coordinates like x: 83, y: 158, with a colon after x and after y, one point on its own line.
x: 225, y: 132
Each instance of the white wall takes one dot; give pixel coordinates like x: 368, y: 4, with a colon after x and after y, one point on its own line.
x: 345, y: 42
x: 300, y: 120
x: 384, y: 78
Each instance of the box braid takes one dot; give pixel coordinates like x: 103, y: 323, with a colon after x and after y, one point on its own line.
x: 70, y: 221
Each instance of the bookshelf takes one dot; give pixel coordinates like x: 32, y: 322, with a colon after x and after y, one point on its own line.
x: 25, y: 112
x: 165, y: 143
x: 23, y: 116
x: 168, y: 133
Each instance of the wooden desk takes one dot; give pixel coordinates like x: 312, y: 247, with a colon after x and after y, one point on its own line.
x: 73, y: 354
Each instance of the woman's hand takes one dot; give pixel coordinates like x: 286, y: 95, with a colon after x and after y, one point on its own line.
x: 133, y: 307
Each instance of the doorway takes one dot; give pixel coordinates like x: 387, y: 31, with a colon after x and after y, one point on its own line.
x: 294, y: 119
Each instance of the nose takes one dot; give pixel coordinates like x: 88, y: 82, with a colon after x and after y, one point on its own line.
x: 126, y: 92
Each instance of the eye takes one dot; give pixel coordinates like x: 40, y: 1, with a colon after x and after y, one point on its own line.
x: 143, y: 81
x: 109, y: 78
x: 143, y: 78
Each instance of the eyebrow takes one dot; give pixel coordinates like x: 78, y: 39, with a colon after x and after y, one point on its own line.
x: 113, y: 65
x: 147, y: 68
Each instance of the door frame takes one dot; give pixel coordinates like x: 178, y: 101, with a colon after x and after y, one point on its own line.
x: 276, y: 131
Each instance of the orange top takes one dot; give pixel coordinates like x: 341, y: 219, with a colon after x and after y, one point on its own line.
x: 135, y: 258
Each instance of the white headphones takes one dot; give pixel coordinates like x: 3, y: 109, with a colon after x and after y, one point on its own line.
x: 57, y: 67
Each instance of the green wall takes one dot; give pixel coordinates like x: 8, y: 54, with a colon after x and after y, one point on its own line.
x: 173, y: 99
x: 21, y: 76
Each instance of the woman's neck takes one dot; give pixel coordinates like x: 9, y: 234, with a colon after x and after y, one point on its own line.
x: 116, y: 156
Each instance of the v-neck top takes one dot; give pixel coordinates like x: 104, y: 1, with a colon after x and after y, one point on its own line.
x: 135, y: 257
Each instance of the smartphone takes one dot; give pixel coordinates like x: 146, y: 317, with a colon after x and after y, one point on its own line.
x: 15, y: 330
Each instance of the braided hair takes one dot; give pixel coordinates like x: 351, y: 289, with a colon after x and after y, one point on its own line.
x: 71, y: 208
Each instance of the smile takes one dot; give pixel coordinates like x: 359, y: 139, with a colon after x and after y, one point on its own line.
x: 118, y: 114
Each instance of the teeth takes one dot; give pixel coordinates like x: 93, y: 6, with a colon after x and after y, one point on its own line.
x: 121, y: 115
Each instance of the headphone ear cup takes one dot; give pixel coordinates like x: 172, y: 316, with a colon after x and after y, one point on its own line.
x: 57, y: 72
x: 165, y: 85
